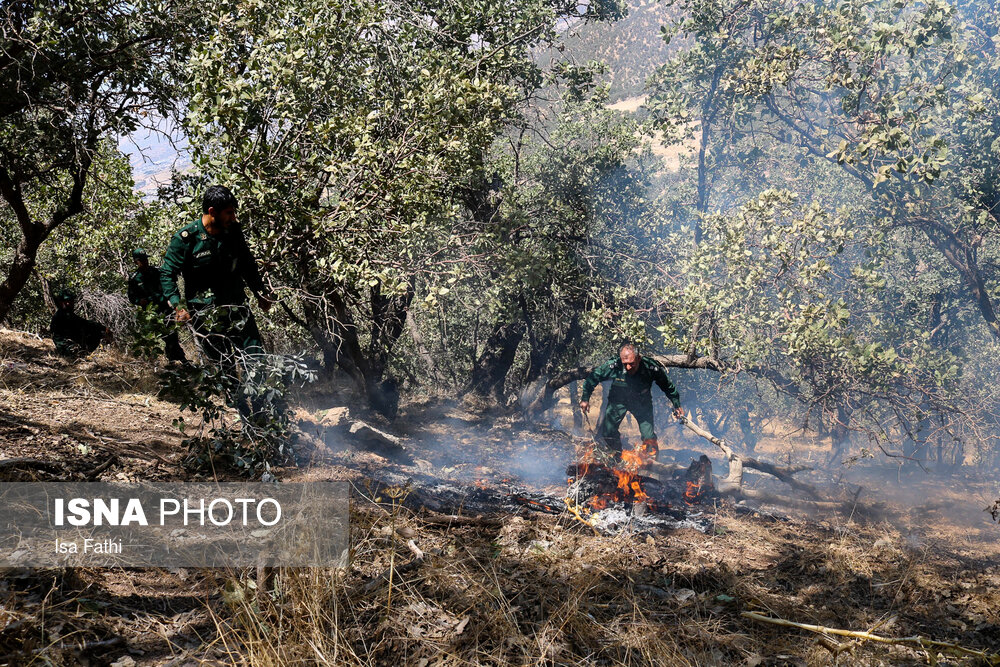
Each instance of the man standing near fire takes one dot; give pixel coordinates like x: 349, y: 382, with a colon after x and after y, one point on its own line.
x: 632, y: 377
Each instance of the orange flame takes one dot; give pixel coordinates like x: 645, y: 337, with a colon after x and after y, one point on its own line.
x: 636, y: 458
x: 599, y: 502
x: 692, y: 492
x: 629, y: 483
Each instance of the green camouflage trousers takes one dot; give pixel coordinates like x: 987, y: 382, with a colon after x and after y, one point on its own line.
x: 641, y: 408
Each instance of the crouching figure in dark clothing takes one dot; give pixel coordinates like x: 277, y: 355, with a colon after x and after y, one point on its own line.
x: 146, y: 290
x: 73, y: 335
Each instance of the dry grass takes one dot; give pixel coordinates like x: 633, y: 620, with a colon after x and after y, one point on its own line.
x: 478, y: 598
x: 536, y: 590
x: 528, y: 589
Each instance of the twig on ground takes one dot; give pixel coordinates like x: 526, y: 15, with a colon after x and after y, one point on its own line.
x: 145, y: 452
x: 29, y: 463
x: 916, y: 640
x: 571, y: 506
x: 456, y: 520
x: 93, y: 474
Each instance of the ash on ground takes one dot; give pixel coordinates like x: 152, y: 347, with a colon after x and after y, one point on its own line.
x: 620, y: 519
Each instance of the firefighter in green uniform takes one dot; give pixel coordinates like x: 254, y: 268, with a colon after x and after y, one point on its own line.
x: 144, y: 289
x: 632, y: 377
x: 212, y: 255
x: 73, y: 335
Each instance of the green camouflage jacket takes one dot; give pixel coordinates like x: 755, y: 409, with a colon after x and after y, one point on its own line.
x: 145, y: 286
x: 625, y: 387
x: 216, y: 269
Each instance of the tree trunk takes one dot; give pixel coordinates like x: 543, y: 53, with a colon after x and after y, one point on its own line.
x: 574, y: 404
x: 962, y: 258
x: 545, y: 354
x: 492, y: 366
x: 340, y: 343
x: 330, y: 343
x: 418, y: 342
x: 33, y: 233
x: 47, y: 295
x: 746, y: 427
x: 20, y: 271
x: 839, y: 433
x: 388, y: 321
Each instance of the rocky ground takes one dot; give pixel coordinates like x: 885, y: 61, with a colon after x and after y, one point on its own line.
x: 912, y: 555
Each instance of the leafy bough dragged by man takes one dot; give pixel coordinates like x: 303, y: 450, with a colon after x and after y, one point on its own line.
x: 212, y: 256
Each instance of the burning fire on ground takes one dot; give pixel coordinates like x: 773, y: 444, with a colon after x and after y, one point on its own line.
x: 698, y: 480
x: 692, y: 492
x: 606, y: 491
x: 596, y: 484
x: 629, y: 486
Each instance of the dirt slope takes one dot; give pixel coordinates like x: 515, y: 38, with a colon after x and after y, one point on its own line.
x: 503, y: 589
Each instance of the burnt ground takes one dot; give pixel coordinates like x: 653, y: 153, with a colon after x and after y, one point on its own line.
x: 912, y: 554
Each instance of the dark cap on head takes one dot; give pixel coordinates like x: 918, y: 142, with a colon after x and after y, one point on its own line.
x: 139, y: 253
x: 66, y: 295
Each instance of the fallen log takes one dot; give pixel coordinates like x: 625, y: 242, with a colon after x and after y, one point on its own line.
x: 340, y: 423
x: 737, y: 463
x: 774, y: 499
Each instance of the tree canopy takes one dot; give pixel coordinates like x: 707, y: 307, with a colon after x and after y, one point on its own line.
x: 803, y: 212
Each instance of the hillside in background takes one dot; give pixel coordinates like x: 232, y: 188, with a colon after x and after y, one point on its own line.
x: 153, y: 155
x: 632, y: 48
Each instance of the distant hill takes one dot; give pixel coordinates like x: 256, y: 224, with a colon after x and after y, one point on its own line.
x: 153, y: 155
x: 632, y: 48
